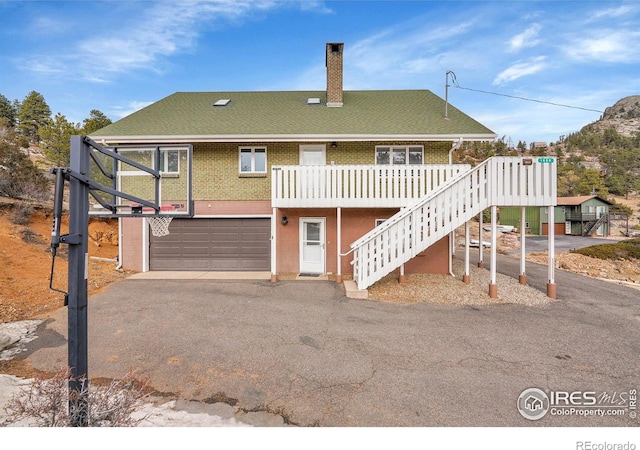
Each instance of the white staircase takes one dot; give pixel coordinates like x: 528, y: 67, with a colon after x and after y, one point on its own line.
x: 498, y: 181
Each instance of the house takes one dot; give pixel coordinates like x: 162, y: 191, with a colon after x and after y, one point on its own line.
x: 586, y: 215
x: 305, y: 182
x: 579, y: 216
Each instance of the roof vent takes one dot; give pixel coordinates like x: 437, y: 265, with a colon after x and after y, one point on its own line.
x: 222, y: 102
x: 313, y: 101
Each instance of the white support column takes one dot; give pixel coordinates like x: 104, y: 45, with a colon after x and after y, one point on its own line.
x: 401, y: 278
x: 339, y: 244
x: 274, y: 228
x: 466, y: 277
x: 480, y: 246
x: 551, y: 284
x: 522, y: 278
x: 493, y: 288
x: 452, y: 243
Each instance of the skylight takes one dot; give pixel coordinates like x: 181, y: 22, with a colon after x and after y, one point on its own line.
x: 313, y: 101
x: 222, y: 102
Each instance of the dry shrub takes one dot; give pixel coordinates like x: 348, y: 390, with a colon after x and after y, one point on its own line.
x: 31, y: 237
x: 22, y: 214
x: 45, y: 402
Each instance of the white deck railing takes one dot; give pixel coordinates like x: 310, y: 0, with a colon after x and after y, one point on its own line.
x: 498, y: 181
x: 367, y: 186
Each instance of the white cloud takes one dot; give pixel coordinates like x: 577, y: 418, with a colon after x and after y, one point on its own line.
x: 399, y: 54
x: 141, y: 42
x: 612, y: 13
x: 121, y: 111
x: 521, y: 69
x: 613, y: 46
x: 527, y: 39
x: 316, y: 6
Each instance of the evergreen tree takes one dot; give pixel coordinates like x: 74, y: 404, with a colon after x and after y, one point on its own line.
x: 19, y: 177
x: 591, y: 183
x: 56, y: 138
x: 94, y: 122
x: 8, y: 111
x: 33, y: 114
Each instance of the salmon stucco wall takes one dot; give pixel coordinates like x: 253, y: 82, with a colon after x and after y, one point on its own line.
x: 131, y: 244
x: 355, y: 223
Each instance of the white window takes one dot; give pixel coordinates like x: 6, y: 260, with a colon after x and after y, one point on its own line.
x: 399, y: 154
x: 170, y: 161
x: 253, y: 160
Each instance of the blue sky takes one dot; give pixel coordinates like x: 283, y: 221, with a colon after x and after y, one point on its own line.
x: 119, y: 56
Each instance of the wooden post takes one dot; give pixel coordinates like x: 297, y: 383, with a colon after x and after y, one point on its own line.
x: 493, y: 288
x: 274, y: 232
x: 466, y: 277
x: 522, y: 278
x: 480, y: 246
x: 339, y: 244
x: 551, y: 284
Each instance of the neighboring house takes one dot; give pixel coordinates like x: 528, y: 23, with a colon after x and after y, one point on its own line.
x: 587, y: 215
x: 286, y: 181
x: 579, y: 216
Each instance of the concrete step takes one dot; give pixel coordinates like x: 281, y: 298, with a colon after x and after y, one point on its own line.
x: 352, y: 290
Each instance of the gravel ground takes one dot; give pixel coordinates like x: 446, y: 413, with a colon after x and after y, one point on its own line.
x: 450, y: 290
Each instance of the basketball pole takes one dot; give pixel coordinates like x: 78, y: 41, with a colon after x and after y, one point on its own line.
x: 81, y: 186
x: 77, y: 284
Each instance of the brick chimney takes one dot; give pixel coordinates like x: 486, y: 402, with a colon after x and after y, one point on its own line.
x: 334, y: 73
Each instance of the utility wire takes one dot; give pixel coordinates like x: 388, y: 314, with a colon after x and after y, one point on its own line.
x: 455, y: 83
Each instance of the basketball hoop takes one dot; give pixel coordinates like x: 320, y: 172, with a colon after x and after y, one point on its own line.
x: 160, y: 224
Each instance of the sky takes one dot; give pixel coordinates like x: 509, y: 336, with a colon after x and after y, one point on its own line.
x: 510, y: 64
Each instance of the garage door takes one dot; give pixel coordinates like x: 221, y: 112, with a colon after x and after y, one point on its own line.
x: 558, y: 228
x: 213, y: 244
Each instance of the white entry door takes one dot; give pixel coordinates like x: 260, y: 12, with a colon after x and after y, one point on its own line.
x: 312, y: 245
x: 313, y: 155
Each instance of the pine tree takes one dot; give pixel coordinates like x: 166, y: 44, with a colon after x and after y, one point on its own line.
x: 56, y: 139
x: 34, y: 113
x: 7, y: 110
x: 95, y: 121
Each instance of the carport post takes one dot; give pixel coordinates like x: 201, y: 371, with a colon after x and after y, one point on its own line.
x: 466, y: 277
x: 523, y: 276
x: 274, y: 228
x: 480, y: 246
x: 551, y: 285
x: 493, y: 288
x: 339, y: 244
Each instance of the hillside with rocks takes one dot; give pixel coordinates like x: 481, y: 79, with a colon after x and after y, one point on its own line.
x: 624, y: 117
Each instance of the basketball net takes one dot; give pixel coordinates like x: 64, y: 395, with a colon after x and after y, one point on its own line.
x: 160, y: 224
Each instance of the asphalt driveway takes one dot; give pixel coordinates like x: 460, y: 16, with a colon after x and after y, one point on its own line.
x: 303, y: 350
x: 562, y: 243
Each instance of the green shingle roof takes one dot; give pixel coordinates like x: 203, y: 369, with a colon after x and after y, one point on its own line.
x: 192, y: 116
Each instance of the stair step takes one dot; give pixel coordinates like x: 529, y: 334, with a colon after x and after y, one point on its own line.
x: 352, y: 290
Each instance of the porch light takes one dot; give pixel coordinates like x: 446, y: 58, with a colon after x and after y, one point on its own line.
x: 334, y: 145
x: 284, y: 220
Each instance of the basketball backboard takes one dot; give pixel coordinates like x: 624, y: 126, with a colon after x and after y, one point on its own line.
x: 142, y: 181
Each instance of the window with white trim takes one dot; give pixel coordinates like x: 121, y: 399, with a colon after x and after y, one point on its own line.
x: 253, y: 160
x: 399, y: 154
